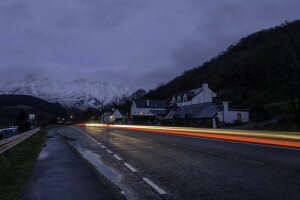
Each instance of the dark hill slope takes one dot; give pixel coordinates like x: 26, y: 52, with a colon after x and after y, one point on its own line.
x: 10, y: 105
x: 260, y: 69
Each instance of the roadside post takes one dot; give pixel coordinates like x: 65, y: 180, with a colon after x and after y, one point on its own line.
x: 31, y: 118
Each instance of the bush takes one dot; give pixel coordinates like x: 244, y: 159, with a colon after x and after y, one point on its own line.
x: 165, y: 122
x: 179, y: 121
x: 24, y: 126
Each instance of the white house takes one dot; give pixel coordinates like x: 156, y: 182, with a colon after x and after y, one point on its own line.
x: 105, y: 117
x: 118, y: 115
x: 113, y: 116
x: 231, y: 115
x: 196, y: 115
x: 196, y: 96
x: 148, y: 108
x: 208, y: 115
x: 196, y: 108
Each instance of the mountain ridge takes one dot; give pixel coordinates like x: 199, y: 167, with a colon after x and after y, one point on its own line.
x: 79, y: 93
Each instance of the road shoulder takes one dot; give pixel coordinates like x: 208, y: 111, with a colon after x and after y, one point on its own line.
x: 60, y: 174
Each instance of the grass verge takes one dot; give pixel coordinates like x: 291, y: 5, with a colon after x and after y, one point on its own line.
x: 17, y: 167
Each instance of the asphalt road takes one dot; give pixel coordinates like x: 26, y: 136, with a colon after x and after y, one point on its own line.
x: 201, y: 168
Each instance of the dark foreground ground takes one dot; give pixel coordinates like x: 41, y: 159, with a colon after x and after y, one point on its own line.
x: 60, y: 174
x: 199, y: 168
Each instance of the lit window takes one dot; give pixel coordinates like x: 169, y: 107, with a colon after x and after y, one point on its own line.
x: 239, y: 117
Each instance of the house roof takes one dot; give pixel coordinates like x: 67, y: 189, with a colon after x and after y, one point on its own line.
x: 190, y: 93
x: 196, y: 111
x: 141, y: 103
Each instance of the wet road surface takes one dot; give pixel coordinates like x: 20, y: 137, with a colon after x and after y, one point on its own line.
x: 60, y: 174
x: 200, y: 168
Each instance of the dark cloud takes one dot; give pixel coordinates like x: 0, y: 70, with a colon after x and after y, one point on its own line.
x: 12, y: 12
x: 141, y: 43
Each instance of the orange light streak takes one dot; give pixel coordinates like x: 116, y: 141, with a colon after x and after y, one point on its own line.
x: 253, y: 139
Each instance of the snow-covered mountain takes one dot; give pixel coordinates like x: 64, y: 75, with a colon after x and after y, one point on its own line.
x: 79, y: 93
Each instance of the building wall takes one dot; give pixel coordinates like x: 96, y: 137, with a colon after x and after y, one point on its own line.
x: 184, y: 103
x: 229, y: 116
x: 117, y: 114
x: 232, y: 116
x: 145, y: 111
x: 203, y: 97
x: 105, y: 118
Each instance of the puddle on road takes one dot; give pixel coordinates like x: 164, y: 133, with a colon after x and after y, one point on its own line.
x: 43, y: 154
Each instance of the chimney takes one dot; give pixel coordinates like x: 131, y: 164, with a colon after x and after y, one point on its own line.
x: 225, y: 111
x: 225, y: 105
x: 204, y: 85
x: 148, y: 103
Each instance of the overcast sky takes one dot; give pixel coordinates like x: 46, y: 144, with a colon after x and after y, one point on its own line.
x: 138, y: 42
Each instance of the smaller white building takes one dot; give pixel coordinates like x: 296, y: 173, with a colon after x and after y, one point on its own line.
x: 105, y: 117
x: 113, y: 116
x: 118, y: 115
x: 148, y: 108
x: 232, y: 115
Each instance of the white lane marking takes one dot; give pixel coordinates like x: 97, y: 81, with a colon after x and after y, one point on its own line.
x: 99, y: 143
x: 154, y: 186
x: 117, y: 157
x: 86, y: 135
x: 130, y: 167
x: 109, y: 151
x: 104, y: 147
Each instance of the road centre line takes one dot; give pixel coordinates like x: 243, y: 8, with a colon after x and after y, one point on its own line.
x: 117, y: 157
x: 154, y: 186
x: 130, y: 167
x: 109, y: 151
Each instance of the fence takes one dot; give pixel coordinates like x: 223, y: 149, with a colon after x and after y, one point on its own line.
x: 8, y: 143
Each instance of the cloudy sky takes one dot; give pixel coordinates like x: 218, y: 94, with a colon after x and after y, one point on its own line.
x: 138, y: 42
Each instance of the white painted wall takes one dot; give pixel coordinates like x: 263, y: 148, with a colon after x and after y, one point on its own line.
x: 231, y: 115
x: 214, y: 123
x: 105, y: 118
x: 117, y: 115
x: 146, y: 111
x: 184, y: 103
x: 203, y: 97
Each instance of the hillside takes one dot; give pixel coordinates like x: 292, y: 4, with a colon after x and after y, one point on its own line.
x: 10, y: 106
x: 261, y: 69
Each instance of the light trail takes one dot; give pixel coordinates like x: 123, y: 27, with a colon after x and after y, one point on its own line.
x: 291, y: 139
